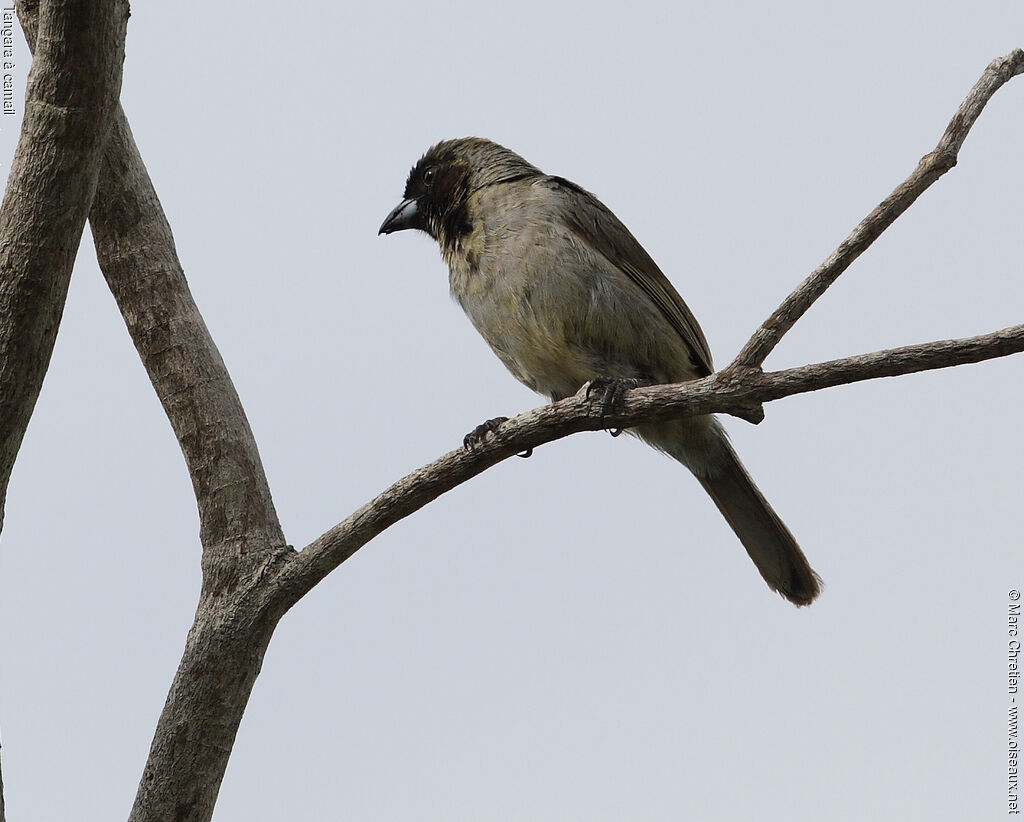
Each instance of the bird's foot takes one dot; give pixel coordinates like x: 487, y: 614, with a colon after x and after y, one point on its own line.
x: 480, y: 433
x: 610, y: 392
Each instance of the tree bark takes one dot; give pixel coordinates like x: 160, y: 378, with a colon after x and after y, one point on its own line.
x: 73, y: 88
x: 240, y: 532
x: 239, y: 528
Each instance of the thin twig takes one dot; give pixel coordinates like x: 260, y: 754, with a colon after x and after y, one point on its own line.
x: 894, y: 362
x: 929, y: 169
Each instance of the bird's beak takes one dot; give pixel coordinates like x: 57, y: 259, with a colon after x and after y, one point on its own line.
x: 406, y: 215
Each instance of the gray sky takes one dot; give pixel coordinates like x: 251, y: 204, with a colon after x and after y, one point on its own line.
x: 578, y: 635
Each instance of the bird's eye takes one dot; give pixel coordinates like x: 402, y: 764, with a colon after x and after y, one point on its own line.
x: 428, y: 176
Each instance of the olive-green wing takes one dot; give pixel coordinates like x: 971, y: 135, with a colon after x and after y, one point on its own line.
x: 596, y: 226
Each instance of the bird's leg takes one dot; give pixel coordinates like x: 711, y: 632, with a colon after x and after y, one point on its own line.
x: 479, y: 434
x: 611, y: 391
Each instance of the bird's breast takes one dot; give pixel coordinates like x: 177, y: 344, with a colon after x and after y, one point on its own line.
x: 528, y: 318
x: 556, y: 313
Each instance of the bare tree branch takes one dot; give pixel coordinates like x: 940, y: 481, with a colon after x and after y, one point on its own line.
x: 138, y: 258
x: 894, y: 362
x: 239, y: 527
x: 929, y: 169
x: 719, y: 393
x: 72, y: 90
x: 136, y: 253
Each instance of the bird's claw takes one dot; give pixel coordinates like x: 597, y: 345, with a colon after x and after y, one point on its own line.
x: 611, y: 392
x: 480, y: 433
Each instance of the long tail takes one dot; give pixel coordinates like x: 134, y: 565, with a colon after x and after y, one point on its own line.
x: 702, y: 446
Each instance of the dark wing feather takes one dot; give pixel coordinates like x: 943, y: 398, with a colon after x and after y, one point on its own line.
x: 595, y: 225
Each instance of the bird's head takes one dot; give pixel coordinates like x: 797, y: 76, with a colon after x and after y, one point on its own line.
x: 440, y: 185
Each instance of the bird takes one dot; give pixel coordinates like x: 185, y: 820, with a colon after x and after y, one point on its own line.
x: 565, y: 296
